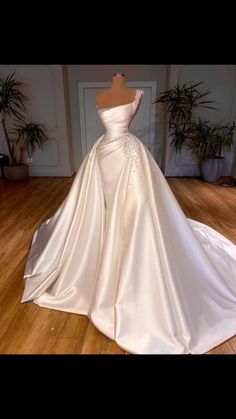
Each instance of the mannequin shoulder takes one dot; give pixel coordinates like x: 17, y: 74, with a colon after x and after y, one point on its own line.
x: 101, y: 96
x: 104, y: 97
x: 102, y: 93
x: 111, y: 97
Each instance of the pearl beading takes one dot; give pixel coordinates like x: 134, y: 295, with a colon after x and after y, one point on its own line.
x: 132, y: 152
x: 135, y: 103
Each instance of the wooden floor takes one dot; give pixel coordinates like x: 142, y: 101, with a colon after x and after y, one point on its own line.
x: 29, y: 329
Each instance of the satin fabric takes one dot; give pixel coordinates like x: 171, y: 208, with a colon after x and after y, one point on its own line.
x: 120, y: 250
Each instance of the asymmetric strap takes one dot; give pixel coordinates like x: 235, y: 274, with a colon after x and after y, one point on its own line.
x: 138, y: 95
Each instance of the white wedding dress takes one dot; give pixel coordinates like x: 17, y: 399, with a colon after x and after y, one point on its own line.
x: 120, y: 250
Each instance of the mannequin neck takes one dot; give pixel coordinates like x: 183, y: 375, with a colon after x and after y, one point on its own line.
x: 118, y: 82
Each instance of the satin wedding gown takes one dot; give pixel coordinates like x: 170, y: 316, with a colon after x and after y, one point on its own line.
x: 120, y: 250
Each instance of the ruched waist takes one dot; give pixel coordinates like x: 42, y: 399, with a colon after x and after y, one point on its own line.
x: 109, y: 138
x: 111, y: 144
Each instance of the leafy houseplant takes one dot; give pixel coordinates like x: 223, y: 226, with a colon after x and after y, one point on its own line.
x: 26, y: 136
x: 211, y: 140
x: 181, y: 102
x: 207, y: 141
x: 29, y: 137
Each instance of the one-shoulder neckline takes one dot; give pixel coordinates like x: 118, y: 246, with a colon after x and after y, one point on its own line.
x: 125, y: 104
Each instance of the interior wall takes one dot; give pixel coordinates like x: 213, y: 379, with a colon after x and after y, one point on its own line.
x: 44, y: 86
x: 221, y: 80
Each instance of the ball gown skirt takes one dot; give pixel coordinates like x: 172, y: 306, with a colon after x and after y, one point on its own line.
x: 120, y: 250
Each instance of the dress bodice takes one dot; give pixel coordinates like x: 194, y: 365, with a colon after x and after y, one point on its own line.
x: 117, y: 119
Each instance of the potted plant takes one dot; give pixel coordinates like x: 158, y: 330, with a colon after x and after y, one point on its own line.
x: 207, y: 141
x: 25, y: 137
x: 180, y: 104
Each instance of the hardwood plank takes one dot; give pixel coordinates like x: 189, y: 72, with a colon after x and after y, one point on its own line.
x: 29, y: 329
x: 56, y: 345
x: 94, y: 341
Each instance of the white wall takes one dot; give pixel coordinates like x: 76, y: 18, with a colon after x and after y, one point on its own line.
x: 45, y: 85
x: 103, y: 73
x: 221, y: 80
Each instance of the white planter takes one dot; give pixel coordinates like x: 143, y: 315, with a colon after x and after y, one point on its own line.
x: 212, y: 169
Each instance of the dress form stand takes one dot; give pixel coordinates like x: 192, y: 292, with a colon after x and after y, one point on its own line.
x: 118, y: 94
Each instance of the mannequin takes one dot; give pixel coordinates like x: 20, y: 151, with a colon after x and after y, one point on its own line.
x: 118, y: 94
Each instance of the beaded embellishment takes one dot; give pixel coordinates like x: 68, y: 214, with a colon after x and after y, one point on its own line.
x: 132, y: 152
x: 135, y: 103
x: 132, y: 146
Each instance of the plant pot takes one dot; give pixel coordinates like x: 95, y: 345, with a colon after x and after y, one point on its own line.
x: 16, y: 171
x: 4, y: 161
x: 213, y: 169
